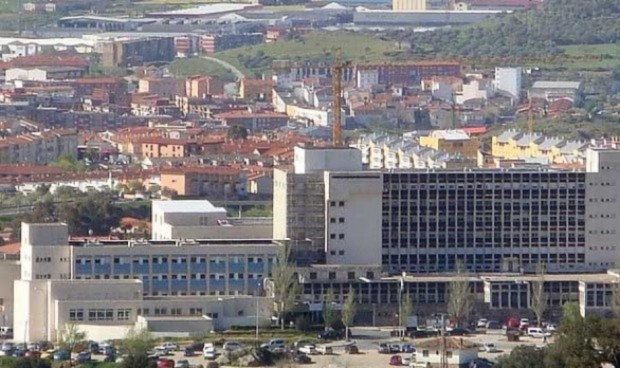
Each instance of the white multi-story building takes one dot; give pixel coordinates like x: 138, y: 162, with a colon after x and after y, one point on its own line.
x: 508, y: 80
x: 107, y: 287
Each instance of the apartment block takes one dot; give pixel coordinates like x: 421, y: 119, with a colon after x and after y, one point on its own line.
x: 214, y: 182
x: 199, y: 86
x: 451, y: 141
x: 39, y: 148
x: 162, y: 87
x: 134, y: 52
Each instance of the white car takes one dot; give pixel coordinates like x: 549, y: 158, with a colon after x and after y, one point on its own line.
x: 524, y: 321
x: 482, y: 323
x: 170, y: 346
x: 551, y: 327
x: 537, y: 332
x: 406, y: 361
x: 308, y: 349
x: 490, y: 348
x: 209, y: 351
x: 161, y: 351
x: 324, y: 350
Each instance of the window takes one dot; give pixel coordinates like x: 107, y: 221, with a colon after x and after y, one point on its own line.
x: 123, y: 314
x: 332, y: 275
x: 332, y: 236
x: 370, y: 275
x: 92, y: 314
x: 175, y: 311
x: 341, y: 220
x: 425, y: 353
x: 341, y: 204
x: 312, y: 275
x: 76, y: 314
x: 332, y: 220
x: 340, y: 236
x: 332, y: 203
x: 448, y: 354
x: 341, y: 252
x: 351, y: 275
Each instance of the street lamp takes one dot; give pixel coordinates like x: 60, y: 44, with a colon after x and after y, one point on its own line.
x: 257, y: 305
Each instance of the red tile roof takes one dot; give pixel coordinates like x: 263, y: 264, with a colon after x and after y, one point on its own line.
x: 46, y: 60
x: 11, y: 248
x: 217, y: 170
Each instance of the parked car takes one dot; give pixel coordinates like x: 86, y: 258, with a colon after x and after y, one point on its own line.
x: 524, y: 321
x: 183, y: 363
x: 537, y: 332
x: 394, y: 348
x: 459, y: 332
x: 406, y: 361
x: 396, y: 360
x: 299, y: 343
x: 407, y: 348
x: 418, y: 334
x: 482, y: 323
x: 170, y: 346
x: 45, y: 345
x: 351, y: 349
x: 110, y: 357
x: 161, y: 351
x: 331, y: 335
x: 274, y: 344
x: 308, y: 349
x: 490, y: 348
x: 165, y: 363
x: 302, y: 359
x: 551, y: 327
x: 326, y: 350
x: 33, y: 354
x: 493, y: 325
x: 384, y: 349
x: 83, y: 357
x: 209, y: 351
x: 232, y: 345
x: 189, y: 351
x: 93, y: 347
x: 61, y: 355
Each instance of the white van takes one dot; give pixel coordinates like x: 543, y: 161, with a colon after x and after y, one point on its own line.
x: 537, y: 332
x: 209, y: 351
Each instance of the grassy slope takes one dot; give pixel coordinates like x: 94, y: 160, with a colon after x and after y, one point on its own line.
x: 195, y: 66
x: 315, y: 45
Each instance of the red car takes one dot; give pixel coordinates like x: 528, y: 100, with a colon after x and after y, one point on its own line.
x: 165, y: 363
x: 396, y: 360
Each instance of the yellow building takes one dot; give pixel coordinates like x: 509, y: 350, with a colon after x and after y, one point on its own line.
x: 513, y: 145
x: 408, y: 5
x: 452, y: 141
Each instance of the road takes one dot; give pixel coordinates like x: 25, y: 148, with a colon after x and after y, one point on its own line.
x: 227, y: 65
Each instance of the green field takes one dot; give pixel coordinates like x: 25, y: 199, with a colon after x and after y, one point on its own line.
x: 313, y: 46
x: 598, y: 56
x: 197, y: 66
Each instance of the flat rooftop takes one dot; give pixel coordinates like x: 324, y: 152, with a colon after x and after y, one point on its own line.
x: 187, y: 206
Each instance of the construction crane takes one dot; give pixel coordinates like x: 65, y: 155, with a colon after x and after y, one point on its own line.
x: 338, y: 67
x: 530, y: 116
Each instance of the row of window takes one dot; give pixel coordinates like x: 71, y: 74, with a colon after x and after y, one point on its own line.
x: 99, y: 314
x: 173, y: 260
x: 163, y: 277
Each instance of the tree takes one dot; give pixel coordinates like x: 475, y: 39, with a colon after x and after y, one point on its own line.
x: 136, y: 342
x: 285, y: 284
x: 460, y: 297
x: 539, y: 298
x: 348, y: 311
x: 237, y: 132
x: 330, y: 315
x: 406, y: 309
x: 523, y: 357
x: 574, y: 347
x: 607, y: 336
x: 70, y: 337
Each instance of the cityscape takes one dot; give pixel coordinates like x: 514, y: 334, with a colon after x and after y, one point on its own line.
x: 347, y: 183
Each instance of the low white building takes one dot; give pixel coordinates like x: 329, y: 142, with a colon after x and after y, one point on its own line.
x: 458, y: 352
x: 199, y: 219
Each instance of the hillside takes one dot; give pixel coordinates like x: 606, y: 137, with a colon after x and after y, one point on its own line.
x: 313, y: 46
x: 532, y: 33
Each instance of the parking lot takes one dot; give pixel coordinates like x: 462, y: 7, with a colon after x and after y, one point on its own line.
x: 368, y: 340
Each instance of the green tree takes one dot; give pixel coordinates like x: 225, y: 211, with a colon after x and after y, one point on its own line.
x: 285, y: 284
x: 349, y: 309
x: 574, y: 346
x: 95, y: 213
x: 607, y: 337
x: 523, y: 357
x: 136, y: 342
x: 460, y: 297
x: 330, y: 315
x: 237, y: 132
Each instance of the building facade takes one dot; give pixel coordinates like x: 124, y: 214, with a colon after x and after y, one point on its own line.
x: 107, y: 287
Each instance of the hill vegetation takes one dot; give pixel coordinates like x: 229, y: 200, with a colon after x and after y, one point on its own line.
x: 533, y: 33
